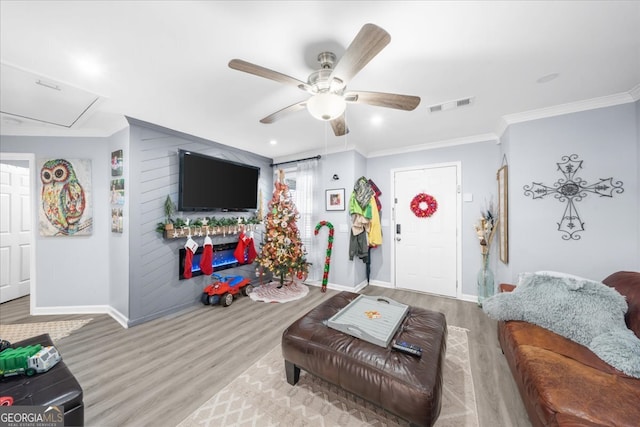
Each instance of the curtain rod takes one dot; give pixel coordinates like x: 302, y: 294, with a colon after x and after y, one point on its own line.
x: 318, y: 157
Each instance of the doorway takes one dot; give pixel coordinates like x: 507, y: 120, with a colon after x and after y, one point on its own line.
x: 425, y: 252
x: 17, y: 249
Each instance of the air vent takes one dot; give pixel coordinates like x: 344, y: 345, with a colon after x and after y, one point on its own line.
x: 451, y: 105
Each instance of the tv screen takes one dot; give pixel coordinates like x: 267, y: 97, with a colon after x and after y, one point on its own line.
x: 207, y: 183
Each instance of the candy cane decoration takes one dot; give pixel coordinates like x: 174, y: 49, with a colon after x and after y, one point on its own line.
x: 327, y: 261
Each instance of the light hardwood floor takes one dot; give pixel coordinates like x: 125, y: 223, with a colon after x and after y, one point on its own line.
x: 157, y: 373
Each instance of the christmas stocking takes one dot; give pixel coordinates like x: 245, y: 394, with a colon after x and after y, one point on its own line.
x: 206, y: 259
x: 190, y: 248
x: 241, y: 248
x: 251, y: 251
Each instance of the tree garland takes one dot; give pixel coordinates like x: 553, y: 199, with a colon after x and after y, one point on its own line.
x: 327, y: 261
x: 423, y: 205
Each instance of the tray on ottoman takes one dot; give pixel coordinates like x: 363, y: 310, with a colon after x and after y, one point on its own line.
x: 370, y: 318
x: 408, y: 386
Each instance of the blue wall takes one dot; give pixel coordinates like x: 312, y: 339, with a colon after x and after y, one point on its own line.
x: 479, y: 163
x: 606, y: 140
x: 140, y: 279
x: 71, y: 271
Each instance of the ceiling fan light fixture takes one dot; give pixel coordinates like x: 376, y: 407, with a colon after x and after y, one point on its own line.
x: 326, y: 106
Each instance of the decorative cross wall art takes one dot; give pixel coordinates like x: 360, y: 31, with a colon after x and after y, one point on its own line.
x: 571, y: 189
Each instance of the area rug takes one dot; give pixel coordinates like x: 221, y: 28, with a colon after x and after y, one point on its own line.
x: 56, y: 330
x: 261, y: 396
x: 271, y: 293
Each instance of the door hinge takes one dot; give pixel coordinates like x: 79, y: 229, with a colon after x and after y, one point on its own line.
x: 458, y: 189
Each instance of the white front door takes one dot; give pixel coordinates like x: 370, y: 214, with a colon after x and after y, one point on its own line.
x: 425, y: 248
x: 15, y: 230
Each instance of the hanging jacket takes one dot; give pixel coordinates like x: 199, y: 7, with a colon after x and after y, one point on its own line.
x: 358, y: 247
x: 363, y: 192
x: 375, y: 228
x: 355, y: 208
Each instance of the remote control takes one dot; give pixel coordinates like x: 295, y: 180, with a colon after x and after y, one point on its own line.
x: 405, y: 347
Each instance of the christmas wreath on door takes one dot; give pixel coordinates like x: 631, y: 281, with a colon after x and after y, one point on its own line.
x: 423, y: 205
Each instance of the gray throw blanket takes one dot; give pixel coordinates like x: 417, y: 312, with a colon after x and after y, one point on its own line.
x: 587, y: 312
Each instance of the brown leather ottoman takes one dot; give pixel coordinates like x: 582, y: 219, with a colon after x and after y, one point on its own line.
x: 57, y: 387
x: 404, y: 385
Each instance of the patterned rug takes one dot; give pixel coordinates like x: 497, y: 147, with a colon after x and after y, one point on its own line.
x: 261, y: 396
x: 271, y: 293
x: 56, y: 330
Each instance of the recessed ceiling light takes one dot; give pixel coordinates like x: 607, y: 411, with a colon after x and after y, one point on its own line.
x: 548, y: 78
x: 273, y: 142
x: 376, y: 120
x: 89, y: 66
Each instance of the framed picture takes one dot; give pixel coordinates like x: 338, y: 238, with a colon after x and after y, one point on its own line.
x: 503, y: 213
x: 66, y: 197
x: 335, y: 199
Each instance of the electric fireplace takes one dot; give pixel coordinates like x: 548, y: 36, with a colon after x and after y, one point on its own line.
x: 223, y: 259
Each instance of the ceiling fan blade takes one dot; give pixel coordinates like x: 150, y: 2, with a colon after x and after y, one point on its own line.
x: 257, y: 70
x: 286, y: 110
x: 380, y: 99
x: 365, y: 46
x: 339, y: 126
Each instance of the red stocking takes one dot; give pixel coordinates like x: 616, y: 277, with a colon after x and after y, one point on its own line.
x: 251, y: 255
x: 206, y: 259
x: 240, y: 249
x: 190, y: 248
x: 188, y: 263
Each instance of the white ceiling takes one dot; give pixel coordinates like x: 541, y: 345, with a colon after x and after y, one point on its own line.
x: 165, y: 62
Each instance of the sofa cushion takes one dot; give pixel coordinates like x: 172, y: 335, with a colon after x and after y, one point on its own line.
x: 559, y: 385
x: 518, y: 333
x: 628, y: 284
x: 587, y: 312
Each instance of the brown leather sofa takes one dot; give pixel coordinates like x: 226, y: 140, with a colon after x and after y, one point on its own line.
x: 56, y: 387
x: 563, y: 383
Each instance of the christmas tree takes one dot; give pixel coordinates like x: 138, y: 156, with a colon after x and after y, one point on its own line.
x: 282, y: 251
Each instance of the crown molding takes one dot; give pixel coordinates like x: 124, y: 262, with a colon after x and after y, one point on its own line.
x: 573, y: 107
x: 635, y: 92
x: 485, y: 137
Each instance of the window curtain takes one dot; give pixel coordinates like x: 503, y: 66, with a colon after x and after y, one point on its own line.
x: 305, y: 195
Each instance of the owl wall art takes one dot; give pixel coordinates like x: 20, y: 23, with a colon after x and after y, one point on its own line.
x: 65, y: 198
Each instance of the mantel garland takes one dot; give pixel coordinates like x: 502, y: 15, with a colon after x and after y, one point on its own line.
x: 423, y: 205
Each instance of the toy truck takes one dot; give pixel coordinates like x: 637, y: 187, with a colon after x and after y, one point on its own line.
x: 224, y: 289
x: 28, y: 360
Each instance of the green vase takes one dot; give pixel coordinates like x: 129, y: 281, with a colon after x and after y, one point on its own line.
x: 485, y: 281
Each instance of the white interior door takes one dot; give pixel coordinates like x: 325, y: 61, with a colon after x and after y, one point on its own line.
x: 425, y: 249
x: 15, y: 230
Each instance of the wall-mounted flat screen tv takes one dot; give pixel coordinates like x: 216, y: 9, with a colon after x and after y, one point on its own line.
x: 208, y: 183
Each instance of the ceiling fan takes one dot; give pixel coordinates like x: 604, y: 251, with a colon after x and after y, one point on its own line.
x: 327, y: 85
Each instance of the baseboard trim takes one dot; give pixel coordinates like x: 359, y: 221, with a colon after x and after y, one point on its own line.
x: 83, y: 309
x: 340, y: 288
x: 382, y: 284
x: 467, y: 297
x: 76, y: 309
x: 119, y: 317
